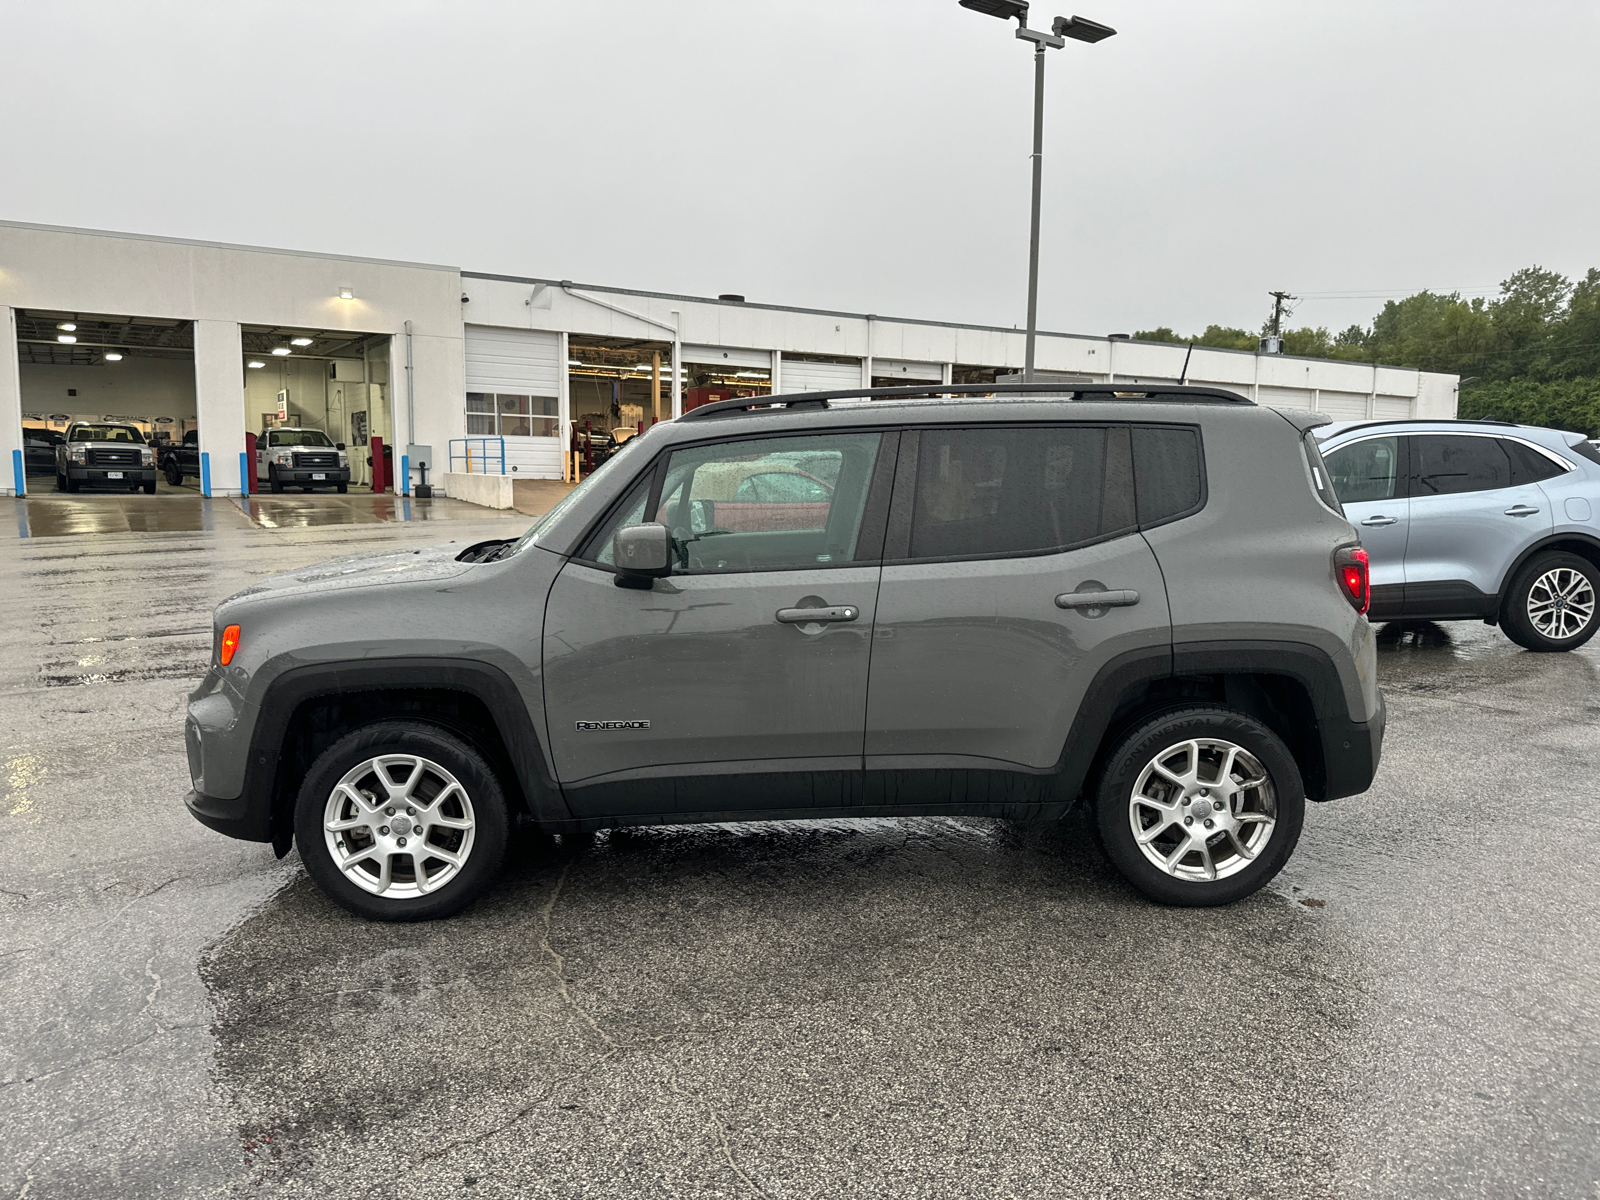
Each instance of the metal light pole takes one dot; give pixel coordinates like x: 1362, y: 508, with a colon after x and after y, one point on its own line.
x: 1080, y: 30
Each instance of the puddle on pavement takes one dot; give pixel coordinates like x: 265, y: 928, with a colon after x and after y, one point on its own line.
x: 66, y: 516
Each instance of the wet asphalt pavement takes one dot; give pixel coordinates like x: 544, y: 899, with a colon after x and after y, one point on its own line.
x: 917, y: 1008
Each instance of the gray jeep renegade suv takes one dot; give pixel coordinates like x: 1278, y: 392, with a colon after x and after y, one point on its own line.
x: 855, y: 604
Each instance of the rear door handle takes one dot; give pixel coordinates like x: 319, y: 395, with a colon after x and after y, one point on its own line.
x: 804, y: 616
x: 1381, y: 521
x: 1120, y: 598
x: 1521, y: 510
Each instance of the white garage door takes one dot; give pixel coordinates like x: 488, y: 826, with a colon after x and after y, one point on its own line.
x: 1343, y: 406
x: 513, y: 390
x: 818, y: 376
x: 1282, y: 397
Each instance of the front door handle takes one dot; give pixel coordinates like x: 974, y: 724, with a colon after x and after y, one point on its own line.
x: 1521, y: 510
x: 1120, y: 598
x: 1375, y: 521
x: 804, y: 616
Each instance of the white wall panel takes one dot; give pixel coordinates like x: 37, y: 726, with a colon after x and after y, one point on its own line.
x: 911, y: 372
x: 728, y: 356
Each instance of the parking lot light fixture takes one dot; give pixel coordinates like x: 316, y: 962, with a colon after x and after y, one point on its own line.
x: 1079, y: 29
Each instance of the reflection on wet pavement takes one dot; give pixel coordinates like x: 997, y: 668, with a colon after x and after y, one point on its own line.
x: 186, y: 511
x: 883, y: 1008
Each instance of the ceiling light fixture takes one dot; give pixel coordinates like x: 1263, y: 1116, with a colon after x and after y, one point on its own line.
x: 65, y: 337
x: 749, y: 374
x: 255, y: 364
x: 300, y: 341
x: 280, y: 351
x: 67, y: 327
x: 113, y: 356
x: 347, y: 293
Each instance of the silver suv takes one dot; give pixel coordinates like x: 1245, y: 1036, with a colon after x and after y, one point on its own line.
x: 1475, y: 520
x: 856, y: 604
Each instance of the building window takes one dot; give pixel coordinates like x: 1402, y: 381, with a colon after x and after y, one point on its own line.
x: 502, y: 414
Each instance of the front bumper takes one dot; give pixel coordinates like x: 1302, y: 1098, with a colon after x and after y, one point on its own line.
x: 240, y: 818
x: 1351, y: 751
x: 303, y: 476
x: 129, y: 475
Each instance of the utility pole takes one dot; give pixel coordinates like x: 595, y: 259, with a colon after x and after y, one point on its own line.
x: 1278, y: 299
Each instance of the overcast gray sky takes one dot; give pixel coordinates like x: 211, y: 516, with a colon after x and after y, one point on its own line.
x: 869, y: 156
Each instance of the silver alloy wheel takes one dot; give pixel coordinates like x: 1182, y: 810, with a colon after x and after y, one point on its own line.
x: 399, y: 826
x: 1561, y: 603
x: 1203, y: 809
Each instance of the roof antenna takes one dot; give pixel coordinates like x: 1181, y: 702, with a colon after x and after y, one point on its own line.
x: 1183, y: 376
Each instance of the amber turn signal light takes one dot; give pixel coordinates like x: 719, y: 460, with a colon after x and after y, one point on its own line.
x: 230, y: 643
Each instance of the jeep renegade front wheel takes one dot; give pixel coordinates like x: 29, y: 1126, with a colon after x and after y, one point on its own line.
x: 402, y: 821
x: 1200, y: 806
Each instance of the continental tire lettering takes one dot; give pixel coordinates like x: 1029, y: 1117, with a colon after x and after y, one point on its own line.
x: 585, y: 726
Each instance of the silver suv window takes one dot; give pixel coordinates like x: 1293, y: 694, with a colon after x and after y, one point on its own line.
x: 1367, y: 470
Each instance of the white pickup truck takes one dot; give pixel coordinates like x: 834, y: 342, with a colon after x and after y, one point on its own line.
x: 307, y: 458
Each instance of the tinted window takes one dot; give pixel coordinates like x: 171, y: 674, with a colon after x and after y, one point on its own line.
x: 1015, y: 490
x: 1446, y: 463
x: 1527, y: 464
x: 749, y: 506
x: 1166, y: 469
x: 105, y: 433
x: 1366, y: 470
x: 298, y: 437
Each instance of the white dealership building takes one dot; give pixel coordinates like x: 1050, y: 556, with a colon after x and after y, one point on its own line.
x: 178, y: 335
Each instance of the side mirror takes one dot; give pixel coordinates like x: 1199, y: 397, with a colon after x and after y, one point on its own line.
x: 643, y: 554
x: 338, y: 445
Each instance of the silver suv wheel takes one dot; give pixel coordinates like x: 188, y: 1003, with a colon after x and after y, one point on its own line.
x: 1202, y: 809
x: 1561, y: 603
x: 399, y: 826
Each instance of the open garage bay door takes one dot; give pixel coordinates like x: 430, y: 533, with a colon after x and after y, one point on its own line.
x: 513, y: 392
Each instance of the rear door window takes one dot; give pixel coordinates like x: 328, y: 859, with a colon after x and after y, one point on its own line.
x: 994, y: 491
x: 1445, y: 464
x: 1370, y: 469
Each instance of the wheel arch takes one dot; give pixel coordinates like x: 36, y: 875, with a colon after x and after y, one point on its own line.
x: 307, y: 709
x: 1292, y: 688
x: 1581, y: 544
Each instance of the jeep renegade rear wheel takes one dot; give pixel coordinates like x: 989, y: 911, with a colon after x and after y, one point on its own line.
x: 402, y: 821
x: 1200, y: 806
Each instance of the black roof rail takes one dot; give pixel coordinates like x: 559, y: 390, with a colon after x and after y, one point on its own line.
x: 1111, y: 391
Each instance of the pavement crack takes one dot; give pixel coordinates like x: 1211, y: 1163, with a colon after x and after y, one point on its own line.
x: 719, y: 1132
x: 559, y: 971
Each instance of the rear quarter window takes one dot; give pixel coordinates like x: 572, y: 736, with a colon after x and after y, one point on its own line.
x: 1168, y: 472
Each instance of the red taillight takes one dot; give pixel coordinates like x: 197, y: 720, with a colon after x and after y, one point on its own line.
x: 1350, y: 564
x: 230, y: 643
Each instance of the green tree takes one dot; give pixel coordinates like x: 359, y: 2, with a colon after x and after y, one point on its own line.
x: 1226, y: 338
x: 1575, y: 341
x: 1524, y: 319
x: 1160, y: 333
x: 1572, y: 404
x: 1434, y: 332
x: 1308, y: 343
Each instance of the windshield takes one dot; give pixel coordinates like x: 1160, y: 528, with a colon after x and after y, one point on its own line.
x: 298, y: 437
x: 628, y: 455
x: 106, y: 433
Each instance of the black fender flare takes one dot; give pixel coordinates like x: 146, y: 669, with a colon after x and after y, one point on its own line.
x: 482, y: 681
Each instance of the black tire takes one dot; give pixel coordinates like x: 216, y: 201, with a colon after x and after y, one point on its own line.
x: 150, y: 488
x: 490, y: 813
x: 61, y: 482
x: 174, y: 473
x: 72, y: 484
x: 343, y: 488
x: 1528, y: 589
x: 272, y: 480
x: 1115, y: 813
